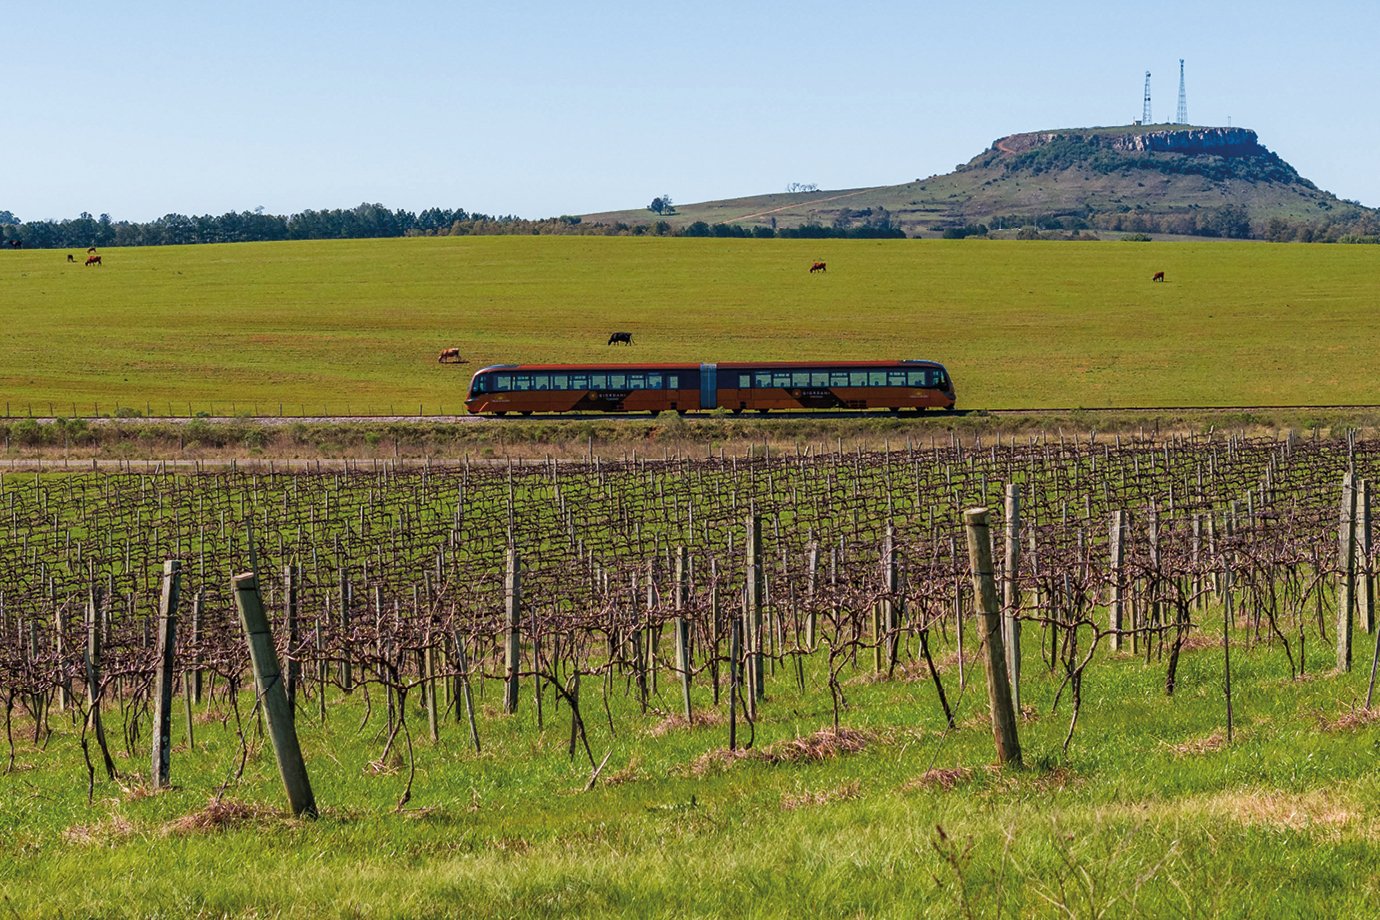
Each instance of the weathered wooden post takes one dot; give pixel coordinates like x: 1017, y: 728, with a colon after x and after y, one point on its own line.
x: 1346, y: 564
x: 682, y: 632
x: 985, y: 591
x: 163, y: 680
x: 1115, y: 614
x: 512, y: 605
x: 269, y: 681
x: 1011, y: 592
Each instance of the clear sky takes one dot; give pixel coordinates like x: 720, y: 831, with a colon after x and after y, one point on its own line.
x: 538, y: 108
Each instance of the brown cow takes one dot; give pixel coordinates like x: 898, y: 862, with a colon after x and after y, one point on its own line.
x: 818, y: 267
x: 620, y: 338
x: 1159, y: 276
x: 70, y: 257
x: 450, y: 356
x: 93, y: 260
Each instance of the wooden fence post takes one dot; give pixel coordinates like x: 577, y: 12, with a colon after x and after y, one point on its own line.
x: 163, y: 682
x: 985, y: 590
x: 269, y: 682
x: 512, y: 605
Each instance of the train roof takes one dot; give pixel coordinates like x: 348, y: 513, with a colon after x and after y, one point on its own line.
x: 730, y: 365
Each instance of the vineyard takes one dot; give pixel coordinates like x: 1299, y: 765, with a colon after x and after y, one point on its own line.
x: 436, y: 606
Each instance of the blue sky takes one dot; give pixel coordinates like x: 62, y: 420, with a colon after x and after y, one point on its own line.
x: 534, y: 108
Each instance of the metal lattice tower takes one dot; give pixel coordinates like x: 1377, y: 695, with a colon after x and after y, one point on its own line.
x: 1145, y: 112
x: 1181, y: 116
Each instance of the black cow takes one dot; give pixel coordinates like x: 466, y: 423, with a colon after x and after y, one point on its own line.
x: 624, y: 338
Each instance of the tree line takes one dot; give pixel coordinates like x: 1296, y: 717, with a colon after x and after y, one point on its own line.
x: 369, y: 221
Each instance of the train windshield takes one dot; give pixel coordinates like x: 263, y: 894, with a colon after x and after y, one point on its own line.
x: 477, y: 385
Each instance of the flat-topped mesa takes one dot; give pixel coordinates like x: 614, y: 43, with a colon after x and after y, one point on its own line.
x: 1169, y: 139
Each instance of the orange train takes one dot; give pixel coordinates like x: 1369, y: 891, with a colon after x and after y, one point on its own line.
x: 760, y: 387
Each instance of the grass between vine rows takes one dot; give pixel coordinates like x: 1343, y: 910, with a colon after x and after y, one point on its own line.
x: 1151, y: 812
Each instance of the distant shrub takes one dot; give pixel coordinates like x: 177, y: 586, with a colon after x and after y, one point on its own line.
x: 1137, y: 238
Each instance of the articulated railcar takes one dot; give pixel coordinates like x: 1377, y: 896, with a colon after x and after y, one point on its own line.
x: 738, y: 387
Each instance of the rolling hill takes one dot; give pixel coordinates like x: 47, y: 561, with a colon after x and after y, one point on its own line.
x: 1170, y: 179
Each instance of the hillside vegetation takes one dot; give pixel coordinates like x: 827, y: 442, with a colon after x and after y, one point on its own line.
x: 1172, y: 179
x: 355, y: 326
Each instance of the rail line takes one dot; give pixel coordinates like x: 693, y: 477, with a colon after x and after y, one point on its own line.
x: 276, y: 420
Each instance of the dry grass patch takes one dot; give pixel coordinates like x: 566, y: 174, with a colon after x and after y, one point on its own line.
x: 1207, y: 745
x: 938, y: 778
x: 703, y: 718
x: 792, y: 801
x: 102, y: 833
x: 221, y: 815
x: 1320, y: 812
x: 624, y: 775
x: 1351, y: 720
x: 824, y: 744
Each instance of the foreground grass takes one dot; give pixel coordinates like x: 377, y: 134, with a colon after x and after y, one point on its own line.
x: 1150, y: 813
x: 354, y: 326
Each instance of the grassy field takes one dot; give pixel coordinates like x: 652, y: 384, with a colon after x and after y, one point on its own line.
x: 1151, y: 813
x: 355, y: 326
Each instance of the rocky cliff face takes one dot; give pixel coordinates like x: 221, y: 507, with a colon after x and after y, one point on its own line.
x: 1217, y: 141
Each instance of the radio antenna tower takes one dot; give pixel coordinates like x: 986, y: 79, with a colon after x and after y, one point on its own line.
x: 1145, y: 112
x: 1182, y: 115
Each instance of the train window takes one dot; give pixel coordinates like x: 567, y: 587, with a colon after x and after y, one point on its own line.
x: 876, y: 378
x: 819, y: 378
x: 838, y: 378
x: 744, y: 381
x: 857, y: 378
x: 895, y: 378
x: 761, y: 379
x: 579, y: 381
x: 478, y: 384
x: 781, y: 379
x: 659, y: 381
x: 598, y: 381
x: 800, y: 378
x: 503, y: 382
x: 560, y: 381
x: 637, y: 381
x: 618, y: 381
x: 916, y: 379
x: 522, y: 381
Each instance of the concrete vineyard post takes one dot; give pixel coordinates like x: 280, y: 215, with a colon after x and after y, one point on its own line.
x: 1011, y: 592
x: 682, y: 632
x: 989, y: 609
x: 1115, y: 613
x: 1346, y: 565
x: 163, y: 681
x: 512, y: 605
x: 268, y: 680
x: 756, y: 676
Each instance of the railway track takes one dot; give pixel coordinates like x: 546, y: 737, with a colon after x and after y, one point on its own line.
x: 274, y: 420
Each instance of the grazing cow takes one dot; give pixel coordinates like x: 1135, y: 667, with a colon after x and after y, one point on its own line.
x: 620, y: 337
x: 71, y: 258
x: 1159, y: 276
x: 16, y: 244
x: 93, y: 260
x: 91, y: 250
x: 818, y: 267
x: 450, y: 356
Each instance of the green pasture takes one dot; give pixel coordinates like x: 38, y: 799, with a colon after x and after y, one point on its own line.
x: 355, y: 326
x: 1150, y: 813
